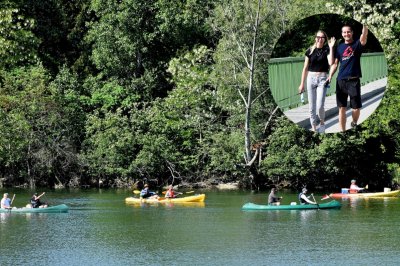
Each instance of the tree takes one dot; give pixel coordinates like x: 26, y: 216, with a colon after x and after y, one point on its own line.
x: 18, y: 45
x: 179, y: 127
x: 37, y: 126
x: 245, y: 45
x: 132, y: 41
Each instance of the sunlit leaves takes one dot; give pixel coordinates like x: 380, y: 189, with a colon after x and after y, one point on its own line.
x: 382, y: 18
x: 17, y: 43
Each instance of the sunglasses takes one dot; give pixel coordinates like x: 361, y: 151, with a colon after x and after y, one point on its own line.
x: 320, y: 37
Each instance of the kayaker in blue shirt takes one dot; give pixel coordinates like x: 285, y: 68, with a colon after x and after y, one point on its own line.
x: 304, y: 199
x: 5, y: 202
x: 146, y: 193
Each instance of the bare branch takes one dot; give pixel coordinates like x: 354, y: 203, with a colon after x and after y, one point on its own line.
x: 254, y: 157
x: 255, y: 99
x: 243, y: 98
x: 172, y: 170
x: 270, y: 118
x: 241, y: 50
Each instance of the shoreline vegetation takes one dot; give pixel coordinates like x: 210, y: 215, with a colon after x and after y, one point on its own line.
x: 109, y: 93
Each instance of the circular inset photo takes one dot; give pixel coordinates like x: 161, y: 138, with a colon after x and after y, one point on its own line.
x: 328, y: 73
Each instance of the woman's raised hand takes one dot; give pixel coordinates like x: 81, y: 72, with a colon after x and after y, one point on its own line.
x: 332, y: 42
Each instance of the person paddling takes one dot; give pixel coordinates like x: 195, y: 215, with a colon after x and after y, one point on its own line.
x: 146, y: 193
x: 35, y: 201
x: 273, y: 199
x: 5, y: 202
x: 304, y: 199
x: 170, y: 192
x: 354, y: 188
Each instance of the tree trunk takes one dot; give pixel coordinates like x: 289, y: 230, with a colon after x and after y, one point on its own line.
x: 28, y: 168
x: 250, y: 88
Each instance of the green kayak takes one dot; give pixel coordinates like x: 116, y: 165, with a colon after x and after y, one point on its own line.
x: 52, y: 209
x: 256, y: 207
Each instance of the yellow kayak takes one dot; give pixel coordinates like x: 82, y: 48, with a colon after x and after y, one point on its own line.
x: 194, y: 198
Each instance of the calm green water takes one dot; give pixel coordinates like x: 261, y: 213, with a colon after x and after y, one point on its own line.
x: 100, y: 229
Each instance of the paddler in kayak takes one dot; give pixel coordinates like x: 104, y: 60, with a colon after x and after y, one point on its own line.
x: 170, y: 192
x: 354, y: 188
x: 147, y: 194
x: 273, y: 199
x: 304, y: 199
x: 5, y: 202
x: 35, y: 201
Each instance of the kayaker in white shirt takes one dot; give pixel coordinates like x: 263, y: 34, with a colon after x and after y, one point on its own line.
x: 354, y: 188
x: 304, y: 199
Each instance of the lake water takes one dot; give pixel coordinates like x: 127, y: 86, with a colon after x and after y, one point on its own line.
x: 100, y: 229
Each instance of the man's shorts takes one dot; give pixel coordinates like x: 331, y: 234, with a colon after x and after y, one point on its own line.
x: 348, y: 88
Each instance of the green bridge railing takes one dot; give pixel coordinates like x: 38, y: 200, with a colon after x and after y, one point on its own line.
x: 285, y: 75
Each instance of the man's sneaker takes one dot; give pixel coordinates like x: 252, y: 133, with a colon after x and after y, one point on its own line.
x: 321, y: 129
x: 353, y: 124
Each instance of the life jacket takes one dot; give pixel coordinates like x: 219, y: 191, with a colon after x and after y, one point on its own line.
x: 170, y: 194
x: 144, y: 193
x: 352, y: 191
x: 301, y: 200
x: 35, y: 202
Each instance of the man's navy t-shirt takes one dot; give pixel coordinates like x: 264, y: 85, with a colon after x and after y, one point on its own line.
x: 349, y: 57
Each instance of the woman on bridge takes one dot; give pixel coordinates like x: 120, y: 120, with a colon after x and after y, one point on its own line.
x: 316, y: 69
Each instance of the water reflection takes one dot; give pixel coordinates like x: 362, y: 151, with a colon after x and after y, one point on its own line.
x: 186, y: 204
x: 4, y: 216
x: 368, y: 202
x: 306, y: 215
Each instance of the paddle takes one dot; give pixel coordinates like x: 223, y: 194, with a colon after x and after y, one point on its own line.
x: 9, y: 209
x: 315, y: 200
x: 12, y: 200
x: 138, y: 192
x: 180, y: 193
x: 46, y: 203
x: 326, y: 196
x: 363, y: 190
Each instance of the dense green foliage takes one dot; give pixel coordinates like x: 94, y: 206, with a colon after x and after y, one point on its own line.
x: 111, y: 92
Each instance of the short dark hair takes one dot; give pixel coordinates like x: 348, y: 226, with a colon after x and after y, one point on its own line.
x: 347, y: 25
